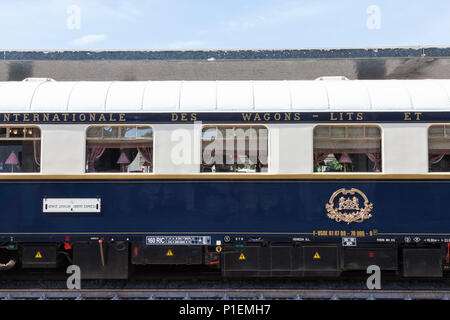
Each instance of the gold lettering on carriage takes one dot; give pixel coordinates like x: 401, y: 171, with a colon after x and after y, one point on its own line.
x: 347, y: 207
x: 268, y: 116
x: 62, y: 117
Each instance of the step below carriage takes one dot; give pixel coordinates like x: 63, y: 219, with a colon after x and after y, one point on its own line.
x: 248, y: 178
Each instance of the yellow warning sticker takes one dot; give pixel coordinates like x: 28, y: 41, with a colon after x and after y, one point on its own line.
x: 242, y: 257
x: 169, y: 253
x: 317, y: 256
x: 38, y: 255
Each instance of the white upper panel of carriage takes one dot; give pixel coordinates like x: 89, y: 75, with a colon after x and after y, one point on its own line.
x: 224, y: 96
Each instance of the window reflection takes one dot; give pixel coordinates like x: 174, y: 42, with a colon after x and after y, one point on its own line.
x: 119, y: 149
x: 347, y: 149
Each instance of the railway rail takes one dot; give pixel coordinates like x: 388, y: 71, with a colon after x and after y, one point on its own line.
x: 221, y: 294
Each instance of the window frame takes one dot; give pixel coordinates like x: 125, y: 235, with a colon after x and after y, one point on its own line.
x: 380, y: 128
x: 10, y: 126
x: 248, y: 125
x: 428, y: 145
x: 115, y: 139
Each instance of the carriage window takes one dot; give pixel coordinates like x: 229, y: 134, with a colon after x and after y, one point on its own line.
x: 234, y: 149
x: 119, y: 149
x: 20, y: 150
x: 439, y: 148
x: 347, y: 149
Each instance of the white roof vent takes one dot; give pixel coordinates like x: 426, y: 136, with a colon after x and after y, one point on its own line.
x: 38, y: 79
x: 332, y: 78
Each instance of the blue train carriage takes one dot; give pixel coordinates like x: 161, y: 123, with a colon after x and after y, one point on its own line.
x: 249, y: 178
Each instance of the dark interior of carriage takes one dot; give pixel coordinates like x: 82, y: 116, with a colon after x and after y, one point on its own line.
x: 110, y: 161
x: 119, y: 149
x: 20, y: 150
x: 17, y: 156
x: 346, y: 162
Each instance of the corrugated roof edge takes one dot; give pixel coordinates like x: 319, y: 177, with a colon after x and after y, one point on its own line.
x: 332, y: 53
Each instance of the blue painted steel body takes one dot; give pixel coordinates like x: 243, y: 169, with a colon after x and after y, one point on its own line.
x: 264, y: 208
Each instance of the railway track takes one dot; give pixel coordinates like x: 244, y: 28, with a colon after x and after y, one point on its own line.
x: 221, y: 294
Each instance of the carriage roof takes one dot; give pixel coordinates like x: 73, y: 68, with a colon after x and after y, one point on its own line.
x: 45, y: 95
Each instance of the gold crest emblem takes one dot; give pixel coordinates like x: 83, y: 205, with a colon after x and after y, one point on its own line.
x: 348, y: 206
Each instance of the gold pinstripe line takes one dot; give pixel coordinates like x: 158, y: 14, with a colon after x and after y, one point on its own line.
x: 97, y: 233
x: 368, y: 177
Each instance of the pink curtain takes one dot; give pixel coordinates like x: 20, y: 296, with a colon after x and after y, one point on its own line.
x: 373, y: 154
x: 37, y: 147
x: 147, y: 153
x: 94, y: 154
x: 436, y: 158
x: 375, y: 157
x: 319, y: 157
